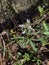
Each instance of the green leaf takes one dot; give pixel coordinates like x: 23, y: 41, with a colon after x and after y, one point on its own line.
x: 45, y: 26
x: 46, y: 33
x: 41, y: 10
x: 19, y: 37
x: 33, y: 46
x: 44, y: 42
x: 27, y: 42
x: 38, y: 61
x: 20, y: 41
x: 26, y: 57
x: 36, y: 40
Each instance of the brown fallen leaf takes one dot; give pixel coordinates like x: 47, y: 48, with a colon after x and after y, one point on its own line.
x: 48, y: 63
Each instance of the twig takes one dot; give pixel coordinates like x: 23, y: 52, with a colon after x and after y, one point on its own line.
x: 0, y: 59
x: 4, y: 47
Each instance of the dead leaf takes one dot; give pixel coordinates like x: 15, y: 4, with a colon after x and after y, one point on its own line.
x: 48, y: 63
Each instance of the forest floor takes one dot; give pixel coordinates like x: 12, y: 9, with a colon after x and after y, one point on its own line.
x: 25, y: 41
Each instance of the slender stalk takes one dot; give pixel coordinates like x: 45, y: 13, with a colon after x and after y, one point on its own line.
x: 4, y: 47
